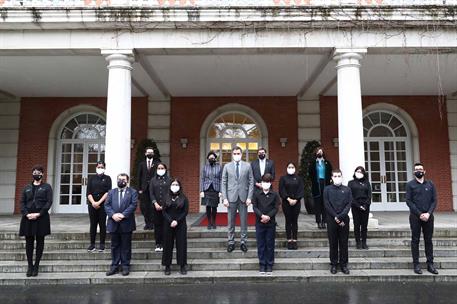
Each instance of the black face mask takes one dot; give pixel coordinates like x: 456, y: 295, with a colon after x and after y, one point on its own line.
x: 121, y: 184
x: 419, y: 174
x: 319, y: 155
x: 37, y: 177
x: 150, y: 156
x: 211, y: 161
x: 261, y: 156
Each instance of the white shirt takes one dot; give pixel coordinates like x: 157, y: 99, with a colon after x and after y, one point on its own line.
x: 262, y: 164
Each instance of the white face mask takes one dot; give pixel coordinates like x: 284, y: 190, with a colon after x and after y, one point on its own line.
x: 359, y: 175
x: 290, y: 171
x: 174, y: 188
x: 161, y: 172
x: 337, y: 181
x: 100, y: 171
x: 237, y: 158
x: 266, y: 186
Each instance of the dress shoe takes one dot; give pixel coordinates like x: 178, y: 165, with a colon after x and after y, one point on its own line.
x: 35, y: 270
x: 113, y: 270
x: 417, y: 269
x: 167, y: 270
x: 125, y: 271
x: 209, y: 227
x: 333, y: 269
x: 29, y: 271
x: 319, y: 226
x: 243, y: 247
x: 183, y: 270
x: 431, y: 268
x: 294, y: 245
x: 324, y: 225
x: 230, y: 247
x: 358, y: 245
x: 345, y: 270
x: 289, y: 245
x: 214, y: 226
x: 364, y: 245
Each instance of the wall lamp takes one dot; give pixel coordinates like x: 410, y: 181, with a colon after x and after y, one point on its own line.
x: 283, y: 141
x: 335, y: 142
x: 184, y: 141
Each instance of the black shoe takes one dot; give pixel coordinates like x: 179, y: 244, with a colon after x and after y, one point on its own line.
x: 417, y: 269
x: 294, y: 245
x: 431, y: 268
x: 358, y: 245
x: 35, y: 270
x: 364, y: 245
x: 269, y: 270
x: 101, y: 248
x: 91, y: 248
x: 113, y: 270
x: 29, y: 271
x: 209, y: 227
x: 214, y: 226
x: 230, y: 247
x: 289, y: 245
x: 243, y: 247
x: 125, y: 271
x: 344, y: 269
x: 333, y: 269
x: 167, y: 270
x: 319, y: 226
x: 324, y: 225
x: 183, y: 270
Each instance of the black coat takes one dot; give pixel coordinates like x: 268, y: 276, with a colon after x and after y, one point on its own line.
x: 144, y: 175
x: 269, y: 168
x: 312, y: 172
x: 40, y: 202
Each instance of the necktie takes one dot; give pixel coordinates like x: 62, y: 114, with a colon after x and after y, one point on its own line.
x: 237, y: 170
x: 149, y: 164
x: 120, y: 199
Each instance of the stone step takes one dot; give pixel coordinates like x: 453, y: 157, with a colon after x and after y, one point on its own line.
x: 211, y: 253
x: 232, y: 264
x: 211, y: 277
x: 221, y: 232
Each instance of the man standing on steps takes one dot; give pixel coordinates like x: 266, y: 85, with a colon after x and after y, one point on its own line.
x: 237, y: 189
x: 421, y: 200
x: 120, y: 208
x: 261, y: 166
x: 337, y: 202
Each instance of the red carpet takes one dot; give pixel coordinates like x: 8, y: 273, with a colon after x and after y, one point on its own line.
x: 222, y: 219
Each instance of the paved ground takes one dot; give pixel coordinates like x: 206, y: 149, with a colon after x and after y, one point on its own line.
x: 341, y: 293
x: 80, y: 222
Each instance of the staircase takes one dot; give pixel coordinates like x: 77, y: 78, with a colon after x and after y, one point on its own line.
x: 66, y: 261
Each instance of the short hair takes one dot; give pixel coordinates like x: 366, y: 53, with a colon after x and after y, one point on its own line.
x: 418, y: 164
x: 149, y: 148
x: 337, y: 171
x: 123, y: 174
x: 262, y: 149
x: 100, y: 162
x: 267, y: 177
x: 237, y: 148
x: 38, y: 168
x: 211, y: 153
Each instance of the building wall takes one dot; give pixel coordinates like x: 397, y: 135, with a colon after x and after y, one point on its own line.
x: 431, y: 119
x: 37, y: 116
x: 452, y: 122
x: 9, y: 136
x: 159, y: 126
x: 188, y: 115
x: 309, y: 127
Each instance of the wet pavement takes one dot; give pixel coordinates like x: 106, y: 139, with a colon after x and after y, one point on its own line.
x: 340, y: 293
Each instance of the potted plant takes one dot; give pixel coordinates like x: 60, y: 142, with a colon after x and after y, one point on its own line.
x: 139, y: 157
x: 306, y: 158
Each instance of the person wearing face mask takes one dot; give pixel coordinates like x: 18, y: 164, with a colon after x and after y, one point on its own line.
x: 237, y: 189
x: 175, y: 211
x: 421, y: 200
x: 262, y: 165
x: 265, y: 204
x: 97, y: 192
x: 36, y: 199
x: 158, y: 191
x: 337, y: 202
x: 291, y: 191
x: 361, y: 200
x: 146, y: 171
x: 320, y: 170
x: 210, y: 187
x: 120, y: 207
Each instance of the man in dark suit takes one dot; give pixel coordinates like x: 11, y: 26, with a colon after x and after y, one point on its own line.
x: 146, y: 170
x: 120, y: 207
x: 261, y: 166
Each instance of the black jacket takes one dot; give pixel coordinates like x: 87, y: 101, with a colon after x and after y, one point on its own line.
x: 42, y: 200
x: 312, y: 172
x: 361, y: 193
x: 144, y: 175
x: 421, y: 198
x: 159, y: 186
x: 265, y: 204
x: 269, y: 168
x: 176, y: 210
x: 337, y: 201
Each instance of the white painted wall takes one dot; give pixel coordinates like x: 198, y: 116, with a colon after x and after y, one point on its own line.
x: 309, y: 125
x: 9, y: 135
x: 159, y: 126
x: 452, y: 124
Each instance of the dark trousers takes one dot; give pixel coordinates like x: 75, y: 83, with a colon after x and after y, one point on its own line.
x: 146, y: 208
x: 291, y: 214
x: 211, y: 213
x: 319, y: 209
x: 121, y: 249
x: 97, y: 217
x: 157, y: 216
x: 265, y: 235
x: 417, y: 225
x: 170, y: 235
x: 29, y: 246
x: 338, y: 242
x: 360, y: 224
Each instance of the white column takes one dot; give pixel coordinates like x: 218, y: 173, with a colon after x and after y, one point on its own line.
x: 350, y: 118
x: 118, y: 112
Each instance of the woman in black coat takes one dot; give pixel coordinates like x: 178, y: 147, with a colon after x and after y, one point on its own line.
x: 291, y: 191
x: 361, y: 200
x: 36, y: 199
x: 175, y: 211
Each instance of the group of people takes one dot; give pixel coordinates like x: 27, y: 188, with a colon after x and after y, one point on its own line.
x: 238, y: 184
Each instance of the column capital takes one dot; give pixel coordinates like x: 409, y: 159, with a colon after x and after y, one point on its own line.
x: 348, y: 57
x: 120, y: 59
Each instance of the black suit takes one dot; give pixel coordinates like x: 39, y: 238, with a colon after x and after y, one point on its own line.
x: 317, y: 188
x: 269, y: 168
x: 144, y: 177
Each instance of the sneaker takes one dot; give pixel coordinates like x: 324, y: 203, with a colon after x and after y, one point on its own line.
x: 158, y: 248
x: 91, y: 248
x: 183, y: 270
x: 167, y: 270
x: 101, y: 248
x: 262, y: 270
x: 269, y: 271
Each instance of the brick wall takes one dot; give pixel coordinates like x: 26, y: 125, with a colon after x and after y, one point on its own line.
x: 431, y: 120
x: 188, y: 115
x: 37, y: 116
